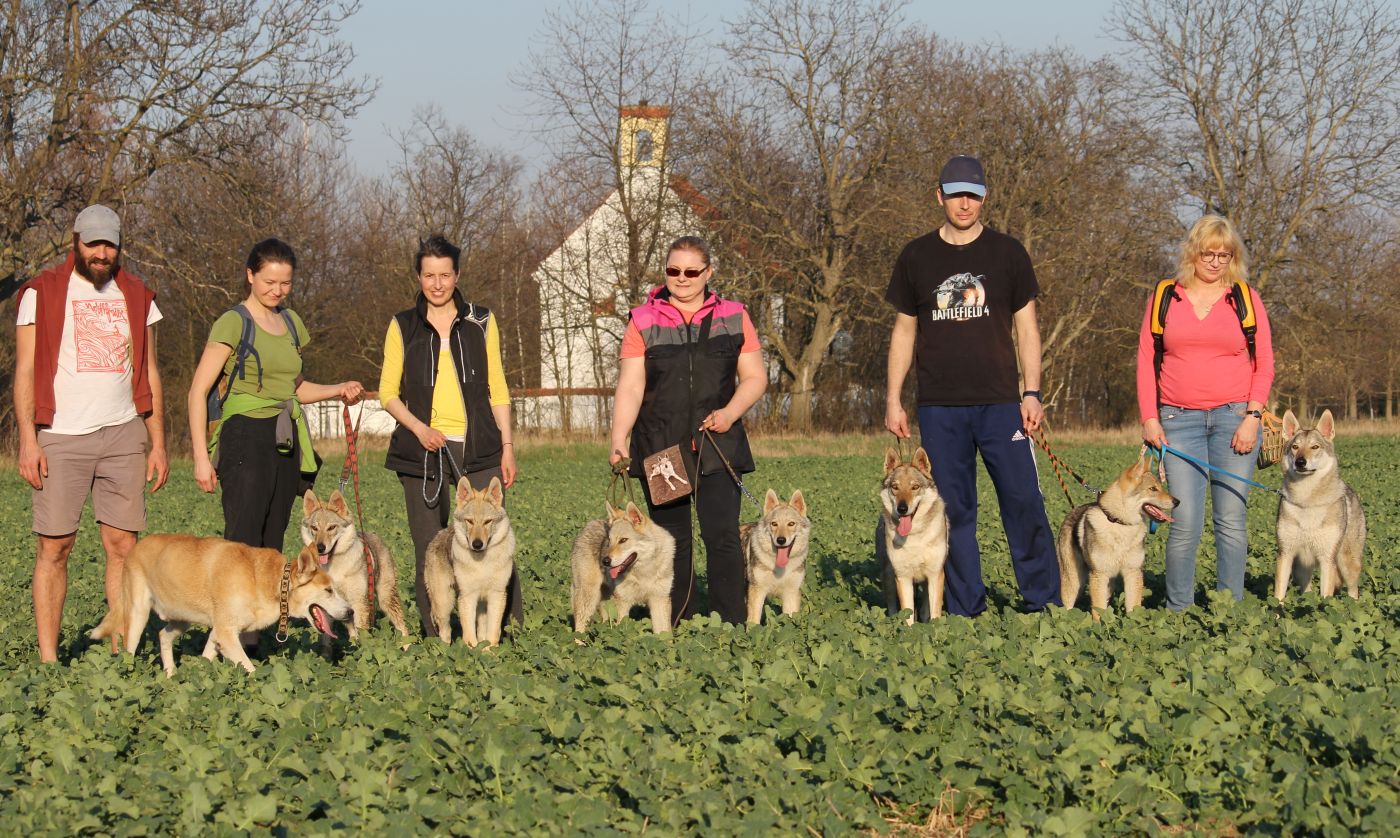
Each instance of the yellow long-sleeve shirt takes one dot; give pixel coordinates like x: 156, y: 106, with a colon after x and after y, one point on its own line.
x: 449, y: 415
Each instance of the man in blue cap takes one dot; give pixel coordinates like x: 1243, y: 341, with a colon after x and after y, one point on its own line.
x: 960, y: 294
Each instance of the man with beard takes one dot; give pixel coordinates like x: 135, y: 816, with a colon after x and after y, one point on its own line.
x: 88, y: 403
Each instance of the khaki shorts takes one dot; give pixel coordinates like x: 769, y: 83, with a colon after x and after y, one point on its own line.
x: 109, y: 462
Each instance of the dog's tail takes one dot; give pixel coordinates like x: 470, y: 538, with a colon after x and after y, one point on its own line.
x: 113, y: 626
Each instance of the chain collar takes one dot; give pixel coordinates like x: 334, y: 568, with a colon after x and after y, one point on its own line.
x: 283, y: 595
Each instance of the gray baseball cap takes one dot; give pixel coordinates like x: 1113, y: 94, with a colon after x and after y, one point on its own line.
x: 98, y: 224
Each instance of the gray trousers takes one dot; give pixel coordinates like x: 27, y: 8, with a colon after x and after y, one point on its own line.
x: 427, y: 519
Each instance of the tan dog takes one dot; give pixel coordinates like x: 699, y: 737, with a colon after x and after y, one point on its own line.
x: 775, y: 553
x: 1321, y: 525
x: 227, y: 586
x: 340, y: 548
x: 1101, y: 540
x: 628, y: 559
x: 470, y: 564
x: 911, y: 539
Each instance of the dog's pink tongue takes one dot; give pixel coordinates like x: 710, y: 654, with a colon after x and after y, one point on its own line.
x: 1159, y: 513
x: 906, y: 526
x: 783, y: 554
x: 615, y: 570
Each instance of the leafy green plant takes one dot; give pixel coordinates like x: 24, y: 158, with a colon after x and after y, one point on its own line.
x: 1243, y: 716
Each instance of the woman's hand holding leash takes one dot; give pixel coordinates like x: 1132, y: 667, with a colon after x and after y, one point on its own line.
x: 716, y: 422
x: 351, y: 391
x: 430, y: 438
x: 1153, y: 434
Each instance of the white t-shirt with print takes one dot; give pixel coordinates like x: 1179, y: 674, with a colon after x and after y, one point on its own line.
x: 92, y: 387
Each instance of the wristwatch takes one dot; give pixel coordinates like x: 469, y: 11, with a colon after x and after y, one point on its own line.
x: 1257, y: 414
x: 1035, y: 393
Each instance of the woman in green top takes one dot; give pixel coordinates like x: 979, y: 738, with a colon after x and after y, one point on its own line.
x: 259, y: 463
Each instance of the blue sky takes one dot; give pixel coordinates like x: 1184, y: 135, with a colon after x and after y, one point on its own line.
x: 461, y: 54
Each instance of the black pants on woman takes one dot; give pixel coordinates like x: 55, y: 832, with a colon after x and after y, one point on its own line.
x: 427, y: 518
x: 260, y: 483
x: 717, y: 507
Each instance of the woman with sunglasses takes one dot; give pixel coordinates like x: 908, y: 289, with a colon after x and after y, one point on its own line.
x: 1203, y: 395
x: 690, y: 368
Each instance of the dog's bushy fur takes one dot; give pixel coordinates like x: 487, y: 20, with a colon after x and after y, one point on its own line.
x: 911, y: 539
x: 227, y: 586
x: 340, y: 547
x: 1321, y: 526
x: 1104, y: 539
x: 775, y: 553
x: 626, y: 558
x: 469, y: 564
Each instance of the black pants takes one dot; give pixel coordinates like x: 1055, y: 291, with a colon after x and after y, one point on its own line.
x: 260, y: 483
x: 427, y: 518
x: 717, y: 507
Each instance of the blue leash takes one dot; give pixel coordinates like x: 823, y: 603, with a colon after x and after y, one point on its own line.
x: 1190, y: 459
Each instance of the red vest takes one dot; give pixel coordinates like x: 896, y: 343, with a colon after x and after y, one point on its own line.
x: 51, y: 288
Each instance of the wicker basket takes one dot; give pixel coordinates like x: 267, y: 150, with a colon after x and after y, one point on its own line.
x: 1271, y: 439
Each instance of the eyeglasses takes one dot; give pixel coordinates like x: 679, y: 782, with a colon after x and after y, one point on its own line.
x: 690, y: 273
x: 1220, y: 257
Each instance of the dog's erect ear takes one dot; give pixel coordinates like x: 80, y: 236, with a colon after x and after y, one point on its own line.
x: 496, y: 493
x: 1327, y: 426
x: 798, y: 502
x: 1290, y: 424
x: 635, y: 515
x: 613, y: 511
x: 464, y: 490
x: 891, y: 460
x: 305, y: 566
x: 921, y: 462
x: 770, y: 501
x: 310, y: 503
x: 338, y: 505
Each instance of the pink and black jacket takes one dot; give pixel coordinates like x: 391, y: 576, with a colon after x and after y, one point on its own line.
x: 691, y: 370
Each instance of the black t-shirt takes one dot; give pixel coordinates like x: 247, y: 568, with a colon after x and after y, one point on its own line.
x: 964, y: 297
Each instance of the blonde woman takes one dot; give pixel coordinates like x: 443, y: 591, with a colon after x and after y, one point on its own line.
x: 1206, y: 400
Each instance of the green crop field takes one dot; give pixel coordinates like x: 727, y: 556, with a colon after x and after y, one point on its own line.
x: 1245, y: 717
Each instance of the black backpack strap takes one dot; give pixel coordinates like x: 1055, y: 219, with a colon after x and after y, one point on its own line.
x: 1162, y: 295
x: 1244, y: 310
x: 245, y: 346
x: 291, y: 328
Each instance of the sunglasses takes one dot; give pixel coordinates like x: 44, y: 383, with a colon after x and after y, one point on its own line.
x: 690, y: 273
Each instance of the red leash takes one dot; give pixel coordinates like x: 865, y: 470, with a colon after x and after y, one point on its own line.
x: 352, y: 467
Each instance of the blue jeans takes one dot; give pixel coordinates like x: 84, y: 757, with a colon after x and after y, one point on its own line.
x: 1205, y: 435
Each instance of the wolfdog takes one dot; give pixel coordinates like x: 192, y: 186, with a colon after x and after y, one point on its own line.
x: 775, y: 553
x: 626, y: 558
x: 911, y: 539
x: 470, y: 563
x: 341, y: 549
x: 1320, y: 522
x: 227, y: 586
x: 1104, y: 539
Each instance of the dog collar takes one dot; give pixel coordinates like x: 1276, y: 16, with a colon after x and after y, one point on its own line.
x: 283, y: 595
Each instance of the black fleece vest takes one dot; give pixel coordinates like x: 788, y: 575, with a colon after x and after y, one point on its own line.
x: 685, y: 381
x: 421, y: 348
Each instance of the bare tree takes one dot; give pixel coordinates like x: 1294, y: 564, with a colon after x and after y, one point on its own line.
x: 799, y: 137
x: 98, y: 96
x: 1280, y: 111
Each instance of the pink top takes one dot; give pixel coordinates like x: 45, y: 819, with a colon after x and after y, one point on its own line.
x: 1206, y: 362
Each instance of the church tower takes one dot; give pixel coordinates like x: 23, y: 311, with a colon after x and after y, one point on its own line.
x: 642, y: 136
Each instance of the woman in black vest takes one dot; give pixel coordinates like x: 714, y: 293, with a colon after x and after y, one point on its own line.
x: 681, y: 355
x: 442, y: 380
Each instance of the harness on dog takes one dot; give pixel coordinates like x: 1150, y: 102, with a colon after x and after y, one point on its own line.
x: 1240, y: 301
x: 218, y: 394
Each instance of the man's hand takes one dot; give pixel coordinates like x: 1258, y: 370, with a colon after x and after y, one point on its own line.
x: 157, y: 466
x: 897, y: 421
x: 33, y: 465
x: 1032, y: 412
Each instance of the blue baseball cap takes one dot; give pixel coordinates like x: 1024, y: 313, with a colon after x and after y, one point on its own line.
x: 963, y: 174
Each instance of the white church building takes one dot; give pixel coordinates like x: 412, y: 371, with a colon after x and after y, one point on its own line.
x: 583, y: 285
